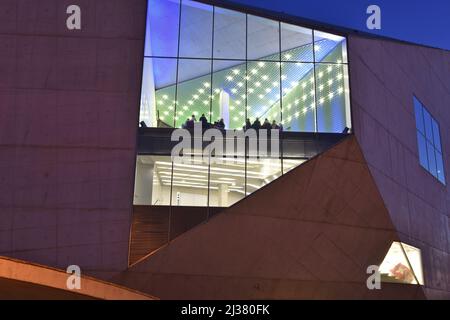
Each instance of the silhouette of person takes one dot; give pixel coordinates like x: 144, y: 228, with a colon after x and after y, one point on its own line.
x: 204, y: 121
x: 266, y: 125
x: 248, y: 124
x: 257, y: 124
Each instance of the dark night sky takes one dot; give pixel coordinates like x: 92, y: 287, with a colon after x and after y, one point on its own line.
x: 420, y: 21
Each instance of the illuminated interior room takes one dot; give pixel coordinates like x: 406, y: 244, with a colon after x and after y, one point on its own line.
x: 202, y: 59
x: 234, y: 67
x: 224, y: 64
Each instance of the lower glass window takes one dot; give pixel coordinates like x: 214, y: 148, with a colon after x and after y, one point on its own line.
x: 403, y: 264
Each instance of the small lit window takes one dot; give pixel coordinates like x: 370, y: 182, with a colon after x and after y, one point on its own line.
x: 429, y: 141
x: 402, y: 264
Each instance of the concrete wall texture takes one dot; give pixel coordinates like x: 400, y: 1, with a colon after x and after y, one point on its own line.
x: 69, y: 105
x: 384, y: 77
x: 68, y: 113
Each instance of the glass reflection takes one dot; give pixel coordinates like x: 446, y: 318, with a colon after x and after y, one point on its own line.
x: 329, y: 48
x: 161, y: 38
x: 227, y: 181
x: 193, y: 90
x: 158, y: 95
x: 292, y: 163
x: 190, y: 183
x: 260, y: 172
x: 229, y: 34
x: 263, y: 39
x: 332, y: 102
x: 229, y: 98
x: 263, y: 91
x: 152, y: 183
x: 428, y: 141
x: 196, y: 30
x: 296, y: 43
x: 403, y: 264
x: 235, y: 66
x: 298, y: 97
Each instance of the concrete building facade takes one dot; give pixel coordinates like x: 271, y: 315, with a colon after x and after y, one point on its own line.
x: 70, y: 104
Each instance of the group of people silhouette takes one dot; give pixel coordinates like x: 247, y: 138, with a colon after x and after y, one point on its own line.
x: 189, y: 124
x: 267, y: 125
x: 220, y: 124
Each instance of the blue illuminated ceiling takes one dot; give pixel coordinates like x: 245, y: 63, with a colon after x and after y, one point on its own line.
x: 217, y: 53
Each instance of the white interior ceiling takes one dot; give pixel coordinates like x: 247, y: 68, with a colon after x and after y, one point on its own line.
x: 230, y: 38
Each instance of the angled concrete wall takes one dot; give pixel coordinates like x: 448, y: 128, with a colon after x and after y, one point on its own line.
x: 384, y: 77
x: 310, y: 234
x: 68, y: 113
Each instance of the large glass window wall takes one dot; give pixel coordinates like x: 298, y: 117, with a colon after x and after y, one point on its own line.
x: 206, y: 60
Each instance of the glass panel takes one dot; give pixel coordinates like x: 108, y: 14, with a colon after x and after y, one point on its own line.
x: 396, y: 268
x: 431, y: 159
x: 263, y: 92
x: 296, y: 43
x: 152, y: 183
x: 161, y: 37
x: 261, y: 172
x: 196, y: 30
x: 271, y: 89
x: 329, y: 47
x: 295, y: 148
x: 429, y: 141
x: 418, y: 110
x: 422, y: 147
x: 289, y: 164
x: 190, y: 183
x: 440, y: 167
x: 298, y: 97
x: 193, y: 91
x: 229, y: 97
x: 229, y: 34
x: 158, y: 92
x: 331, y: 91
x: 436, y: 135
x: 428, y: 125
x: 346, y: 87
x: 227, y: 181
x: 263, y: 40
x: 415, y: 261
